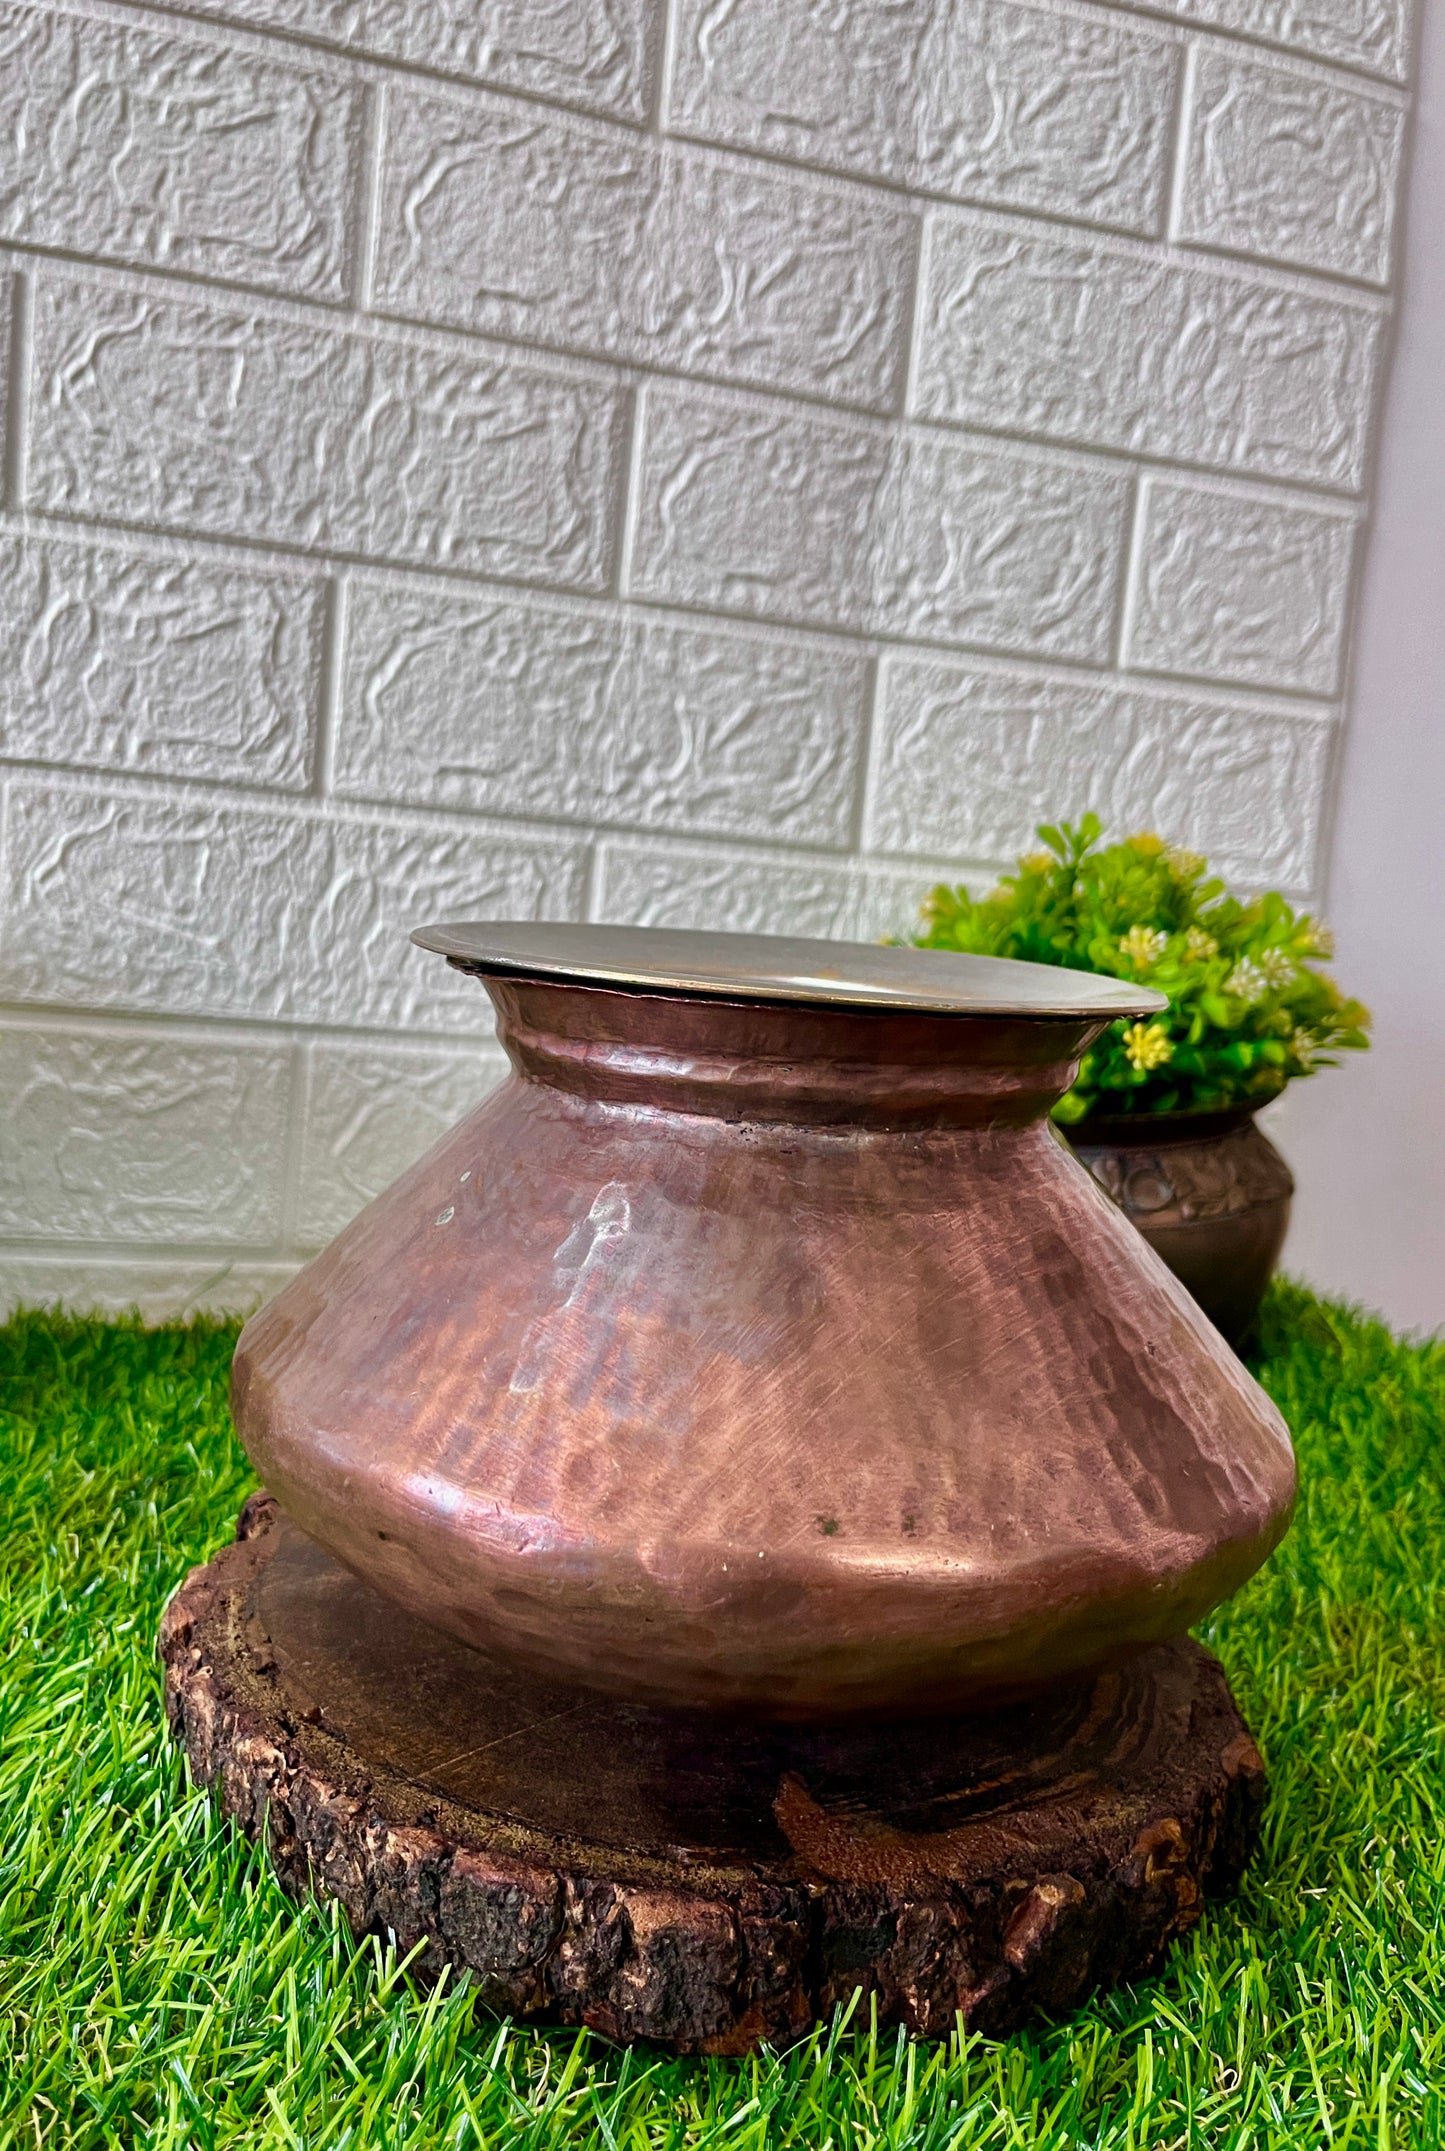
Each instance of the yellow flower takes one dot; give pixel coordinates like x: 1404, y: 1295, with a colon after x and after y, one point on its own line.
x: 1038, y: 862
x: 1147, y: 844
x: 1186, y: 864
x: 1200, y: 946
x: 1319, y: 942
x: 1148, y: 1045
x: 1143, y: 946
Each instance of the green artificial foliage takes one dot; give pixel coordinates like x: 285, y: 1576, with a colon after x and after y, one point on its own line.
x: 158, y: 1993
x: 1249, y: 1010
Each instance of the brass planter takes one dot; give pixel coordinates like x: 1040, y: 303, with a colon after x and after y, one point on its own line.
x: 1209, y: 1192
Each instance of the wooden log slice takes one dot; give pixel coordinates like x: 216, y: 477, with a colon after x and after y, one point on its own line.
x: 705, y: 1885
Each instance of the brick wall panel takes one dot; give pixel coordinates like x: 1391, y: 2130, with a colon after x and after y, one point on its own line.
x: 1290, y: 166
x: 451, y: 470
x: 9, y: 301
x: 121, y: 659
x: 370, y: 1111
x: 161, y: 1288
x: 655, y: 886
x: 1373, y: 35
x: 1119, y: 348
x: 970, y: 759
x: 501, y: 218
x: 122, y: 1135
x: 978, y: 99
x: 597, y: 54
x: 814, y: 521
x: 674, y: 885
x: 890, y: 898
x: 195, y: 905
x: 503, y: 707
x: 214, y: 421
x: 146, y: 145
x: 1246, y: 590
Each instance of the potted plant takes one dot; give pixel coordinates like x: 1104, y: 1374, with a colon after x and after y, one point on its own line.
x: 1162, y: 1112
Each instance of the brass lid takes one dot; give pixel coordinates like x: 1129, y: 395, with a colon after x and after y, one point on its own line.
x: 783, y: 967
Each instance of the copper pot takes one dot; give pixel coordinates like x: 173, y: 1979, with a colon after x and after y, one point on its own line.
x: 757, y: 1347
x: 1209, y: 1192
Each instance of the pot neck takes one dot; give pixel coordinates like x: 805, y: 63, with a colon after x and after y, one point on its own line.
x: 771, y: 1061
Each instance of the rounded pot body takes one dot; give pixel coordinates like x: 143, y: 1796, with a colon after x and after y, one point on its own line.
x: 769, y: 1359
x: 1209, y: 1192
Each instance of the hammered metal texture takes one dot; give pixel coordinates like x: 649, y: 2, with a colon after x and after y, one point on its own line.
x: 768, y: 1359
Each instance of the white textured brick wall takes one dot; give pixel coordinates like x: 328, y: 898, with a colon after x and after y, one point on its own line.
x: 694, y: 461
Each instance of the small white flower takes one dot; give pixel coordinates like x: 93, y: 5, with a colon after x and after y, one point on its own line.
x: 1200, y: 946
x: 1247, y: 982
x: 1143, y: 946
x: 1278, y: 967
x: 1321, y: 942
x: 1186, y: 864
x: 1302, y: 1046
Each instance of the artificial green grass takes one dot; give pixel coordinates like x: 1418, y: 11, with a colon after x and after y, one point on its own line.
x: 157, y: 1989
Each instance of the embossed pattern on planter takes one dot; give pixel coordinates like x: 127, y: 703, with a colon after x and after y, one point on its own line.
x: 1173, y: 1184
x: 634, y: 459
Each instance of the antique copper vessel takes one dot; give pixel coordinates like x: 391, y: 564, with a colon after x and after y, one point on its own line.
x: 758, y: 1347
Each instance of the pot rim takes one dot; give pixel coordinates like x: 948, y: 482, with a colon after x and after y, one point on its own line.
x: 791, y: 969
x: 1136, y: 1131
